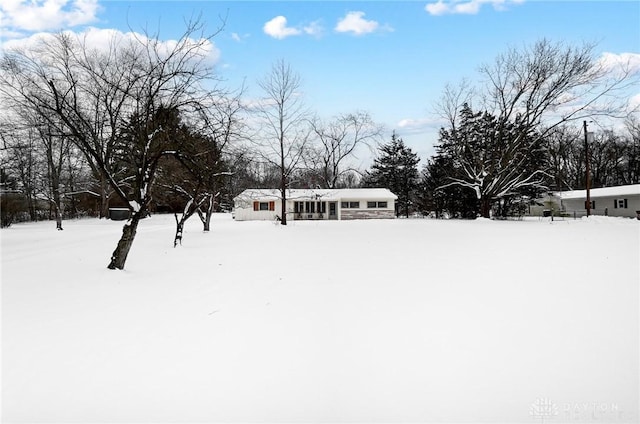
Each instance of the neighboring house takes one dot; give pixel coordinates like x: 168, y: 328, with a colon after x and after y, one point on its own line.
x: 315, y: 204
x: 611, y: 201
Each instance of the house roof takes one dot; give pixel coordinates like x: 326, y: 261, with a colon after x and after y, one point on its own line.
x: 319, y: 194
x: 625, y: 190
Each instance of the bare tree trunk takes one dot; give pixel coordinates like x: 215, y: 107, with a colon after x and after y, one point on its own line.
x: 119, y: 256
x: 206, y: 224
x: 54, y: 165
x: 31, y: 205
x: 57, y: 204
x: 283, y: 184
x: 485, y: 207
x: 179, y: 229
x: 205, y: 217
x: 283, y: 209
x: 189, y: 209
x: 58, y: 219
x: 104, y: 196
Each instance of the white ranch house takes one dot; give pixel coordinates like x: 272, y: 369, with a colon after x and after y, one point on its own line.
x: 315, y: 204
x: 611, y: 201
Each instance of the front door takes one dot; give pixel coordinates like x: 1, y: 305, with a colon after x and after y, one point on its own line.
x: 332, y: 210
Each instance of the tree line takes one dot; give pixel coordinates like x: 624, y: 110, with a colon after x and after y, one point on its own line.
x: 522, y: 133
x: 467, y: 177
x: 148, y: 126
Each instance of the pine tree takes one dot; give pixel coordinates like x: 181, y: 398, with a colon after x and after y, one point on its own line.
x: 493, y: 158
x: 451, y: 201
x: 396, y: 168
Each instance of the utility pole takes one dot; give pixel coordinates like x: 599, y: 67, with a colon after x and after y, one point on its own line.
x: 588, y: 170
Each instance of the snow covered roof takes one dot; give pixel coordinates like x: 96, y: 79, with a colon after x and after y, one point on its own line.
x: 320, y: 194
x: 625, y: 190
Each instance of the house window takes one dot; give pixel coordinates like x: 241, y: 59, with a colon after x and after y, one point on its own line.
x: 620, y: 203
x: 306, y: 207
x: 264, y: 206
x: 350, y: 205
x: 309, y: 207
x: 378, y: 205
x: 593, y: 204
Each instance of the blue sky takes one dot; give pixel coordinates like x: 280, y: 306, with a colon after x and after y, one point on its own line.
x: 390, y: 58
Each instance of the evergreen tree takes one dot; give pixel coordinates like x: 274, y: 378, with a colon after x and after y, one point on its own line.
x: 396, y: 168
x: 493, y: 158
x: 451, y: 201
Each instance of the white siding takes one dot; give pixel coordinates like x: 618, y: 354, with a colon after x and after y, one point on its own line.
x: 244, y: 210
x: 364, y: 212
x: 605, y: 205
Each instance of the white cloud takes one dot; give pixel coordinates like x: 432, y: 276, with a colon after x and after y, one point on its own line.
x: 45, y: 15
x: 355, y: 23
x: 466, y: 7
x: 625, y: 65
x: 101, y: 39
x: 314, y: 28
x: 618, y: 63
x: 239, y: 38
x: 438, y: 8
x: 413, y: 126
x: 277, y: 28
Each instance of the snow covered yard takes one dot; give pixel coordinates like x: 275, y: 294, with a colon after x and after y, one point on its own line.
x: 376, y: 321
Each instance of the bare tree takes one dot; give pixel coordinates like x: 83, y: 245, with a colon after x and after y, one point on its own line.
x: 534, y: 90
x: 555, y: 83
x: 450, y: 103
x: 338, y: 141
x: 284, y: 133
x: 93, y: 84
x: 201, y: 178
x: 224, y: 128
x: 191, y: 175
x: 21, y: 160
x: 632, y: 125
x: 40, y: 156
x: 56, y: 151
x: 118, y: 106
x: 565, y: 148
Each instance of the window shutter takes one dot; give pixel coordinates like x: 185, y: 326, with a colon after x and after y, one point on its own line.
x: 625, y: 203
x: 272, y: 206
x: 615, y: 203
x: 256, y: 206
